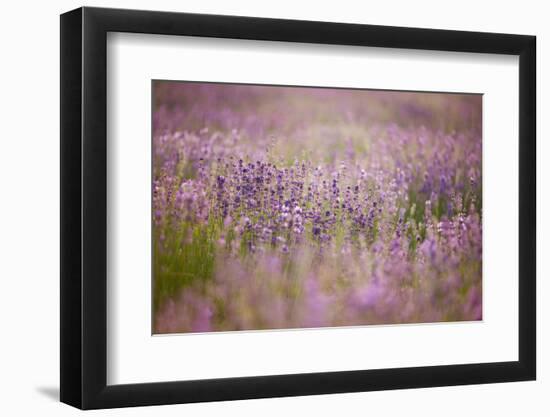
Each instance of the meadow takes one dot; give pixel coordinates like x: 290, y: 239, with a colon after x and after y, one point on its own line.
x: 283, y: 207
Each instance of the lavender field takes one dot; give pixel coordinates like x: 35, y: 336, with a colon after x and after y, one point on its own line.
x: 280, y: 207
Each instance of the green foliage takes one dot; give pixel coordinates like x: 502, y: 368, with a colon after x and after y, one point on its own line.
x: 183, y: 257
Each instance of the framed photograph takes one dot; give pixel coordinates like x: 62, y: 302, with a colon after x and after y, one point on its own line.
x: 258, y: 208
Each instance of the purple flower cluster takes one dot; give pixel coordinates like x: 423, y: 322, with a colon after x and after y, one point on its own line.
x: 291, y: 207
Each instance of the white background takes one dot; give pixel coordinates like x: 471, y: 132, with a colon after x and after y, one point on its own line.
x: 134, y: 356
x: 29, y: 176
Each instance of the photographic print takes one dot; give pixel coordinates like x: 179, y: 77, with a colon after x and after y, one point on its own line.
x: 278, y: 207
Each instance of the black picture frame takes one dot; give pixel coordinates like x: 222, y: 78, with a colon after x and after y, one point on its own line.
x: 84, y: 207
